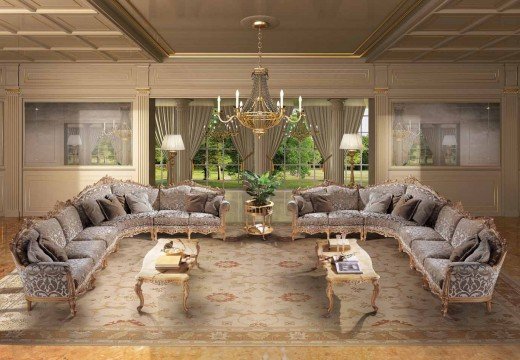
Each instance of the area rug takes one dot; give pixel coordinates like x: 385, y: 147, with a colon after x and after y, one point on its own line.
x: 254, y: 292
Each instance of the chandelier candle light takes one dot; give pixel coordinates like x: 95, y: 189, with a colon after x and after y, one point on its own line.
x: 259, y: 113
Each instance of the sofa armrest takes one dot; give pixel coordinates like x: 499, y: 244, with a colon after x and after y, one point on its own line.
x: 48, y: 279
x: 292, y: 206
x: 223, y: 208
x: 470, y: 279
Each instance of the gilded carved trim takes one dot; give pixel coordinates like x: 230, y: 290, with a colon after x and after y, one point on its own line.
x: 511, y: 90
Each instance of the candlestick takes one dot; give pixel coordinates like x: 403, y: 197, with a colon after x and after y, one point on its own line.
x: 300, y: 103
x: 281, y: 98
x: 218, y: 104
x: 237, y: 94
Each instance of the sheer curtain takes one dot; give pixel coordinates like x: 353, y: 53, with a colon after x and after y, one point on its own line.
x: 320, y: 117
x: 192, y: 131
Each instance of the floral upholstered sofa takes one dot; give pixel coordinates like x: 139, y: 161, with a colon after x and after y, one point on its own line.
x: 57, y: 256
x: 432, y: 234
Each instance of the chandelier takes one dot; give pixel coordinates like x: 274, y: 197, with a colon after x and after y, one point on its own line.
x: 402, y: 131
x: 259, y: 113
x: 219, y: 131
x: 303, y: 130
x: 121, y: 130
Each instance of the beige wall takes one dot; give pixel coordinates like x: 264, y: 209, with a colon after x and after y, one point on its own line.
x: 484, y: 190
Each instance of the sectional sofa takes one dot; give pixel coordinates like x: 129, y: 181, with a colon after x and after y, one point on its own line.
x: 429, y: 244
x: 86, y: 246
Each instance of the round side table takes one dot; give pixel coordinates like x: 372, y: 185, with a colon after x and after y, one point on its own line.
x: 253, y: 213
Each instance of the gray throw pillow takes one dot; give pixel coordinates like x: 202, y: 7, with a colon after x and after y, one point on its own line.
x: 55, y: 252
x: 35, y: 253
x: 423, y: 212
x: 321, y: 203
x: 304, y: 204
x: 212, y: 205
x: 196, y: 202
x: 378, y: 203
x: 111, y: 207
x: 495, y: 246
x: 22, y: 244
x: 406, y: 207
x: 461, y: 252
x: 481, y: 253
x: 93, y: 211
x: 138, y: 203
x: 122, y: 201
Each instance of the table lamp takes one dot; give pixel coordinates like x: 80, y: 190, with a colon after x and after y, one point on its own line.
x: 172, y: 143
x: 351, y: 143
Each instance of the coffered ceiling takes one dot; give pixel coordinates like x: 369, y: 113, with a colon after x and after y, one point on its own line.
x: 155, y: 30
x: 457, y: 31
x: 61, y: 30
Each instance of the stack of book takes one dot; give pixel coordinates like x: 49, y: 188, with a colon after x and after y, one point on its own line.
x: 348, y: 266
x: 168, y: 262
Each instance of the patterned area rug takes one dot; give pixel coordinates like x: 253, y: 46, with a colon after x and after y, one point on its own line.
x: 254, y: 292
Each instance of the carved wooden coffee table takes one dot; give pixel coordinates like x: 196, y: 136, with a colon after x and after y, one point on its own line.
x: 149, y: 274
x: 365, y: 263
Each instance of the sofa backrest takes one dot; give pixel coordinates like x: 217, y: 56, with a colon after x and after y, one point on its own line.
x: 423, y: 192
x: 129, y: 187
x: 96, y: 191
x: 395, y: 188
x: 174, y: 197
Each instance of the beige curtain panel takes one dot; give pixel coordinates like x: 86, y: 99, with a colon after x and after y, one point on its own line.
x: 321, y: 116
x: 353, y: 118
x: 244, y: 141
x: 273, y: 139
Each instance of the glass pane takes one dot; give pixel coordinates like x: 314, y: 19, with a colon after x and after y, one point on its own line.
x: 78, y: 134
x: 446, y: 134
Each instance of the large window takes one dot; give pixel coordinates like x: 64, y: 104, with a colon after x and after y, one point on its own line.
x: 361, y: 165
x: 297, y: 160
x: 217, y: 163
x: 446, y: 134
x: 58, y: 134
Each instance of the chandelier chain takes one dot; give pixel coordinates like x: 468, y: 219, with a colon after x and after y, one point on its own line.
x: 259, y: 47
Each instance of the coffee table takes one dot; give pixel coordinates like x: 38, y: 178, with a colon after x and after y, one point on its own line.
x: 149, y: 274
x: 323, y: 253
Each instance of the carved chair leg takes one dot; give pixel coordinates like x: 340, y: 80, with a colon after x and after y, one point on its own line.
x: 328, y: 235
x: 444, y: 310
x: 72, y: 305
x: 488, y: 306
x: 189, y: 235
x: 29, y: 305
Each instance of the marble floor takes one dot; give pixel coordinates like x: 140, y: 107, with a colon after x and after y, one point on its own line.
x: 508, y: 227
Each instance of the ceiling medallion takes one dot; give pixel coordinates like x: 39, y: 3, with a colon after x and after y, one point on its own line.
x: 259, y: 113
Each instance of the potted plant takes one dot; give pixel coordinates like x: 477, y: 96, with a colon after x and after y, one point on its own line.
x: 260, y: 187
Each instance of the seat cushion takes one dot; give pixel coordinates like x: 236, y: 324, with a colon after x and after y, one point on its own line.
x: 204, y: 219
x: 80, y: 268
x: 466, y: 229
x: 424, y: 249
x: 437, y: 269
x: 387, y: 221
x: 345, y: 218
x: 129, y: 221
x: 106, y: 233
x: 313, y: 219
x: 171, y: 218
x: 447, y: 221
x: 409, y: 234
x: 70, y: 222
x: 50, y: 229
x: 93, y: 249
x: 343, y: 198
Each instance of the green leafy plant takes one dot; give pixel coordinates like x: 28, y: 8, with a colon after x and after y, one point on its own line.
x: 260, y: 187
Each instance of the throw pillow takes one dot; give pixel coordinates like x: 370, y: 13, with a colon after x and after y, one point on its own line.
x: 122, y: 201
x: 213, y: 204
x: 321, y: 203
x: 304, y: 204
x: 423, y: 212
x: 22, y: 244
x: 35, y: 254
x: 196, y: 202
x: 55, y: 252
x: 111, y: 207
x: 378, y: 203
x: 406, y: 207
x: 93, y: 211
x: 461, y: 252
x: 495, y: 246
x: 481, y: 253
x: 138, y: 203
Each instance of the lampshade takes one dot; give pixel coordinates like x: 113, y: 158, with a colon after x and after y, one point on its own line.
x: 351, y: 142
x: 74, y: 140
x: 172, y: 143
x: 449, y: 140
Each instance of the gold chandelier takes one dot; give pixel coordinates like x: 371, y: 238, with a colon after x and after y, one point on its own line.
x: 259, y: 113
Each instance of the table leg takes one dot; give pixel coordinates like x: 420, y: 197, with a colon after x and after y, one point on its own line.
x: 186, y: 291
x: 375, y: 293
x: 330, y: 296
x: 139, y: 292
